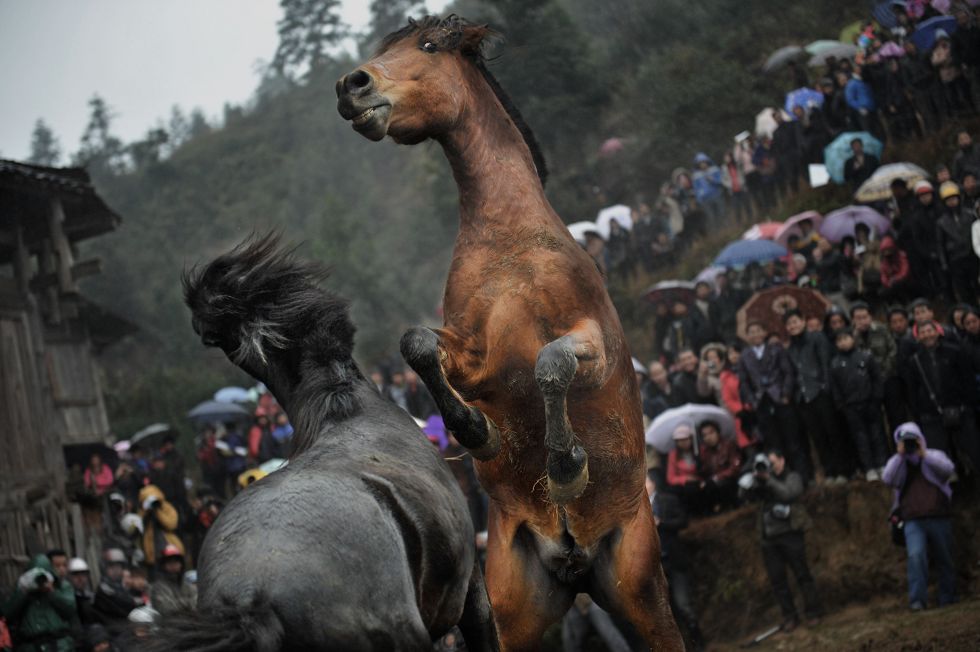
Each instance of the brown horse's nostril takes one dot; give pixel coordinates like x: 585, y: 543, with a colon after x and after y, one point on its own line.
x: 358, y: 82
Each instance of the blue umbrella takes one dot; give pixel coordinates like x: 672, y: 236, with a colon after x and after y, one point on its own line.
x: 805, y: 97
x: 232, y: 395
x: 884, y: 13
x: 924, y: 35
x: 837, y: 152
x: 214, y: 412
x: 743, y: 252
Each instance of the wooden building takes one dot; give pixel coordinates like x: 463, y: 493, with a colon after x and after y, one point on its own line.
x: 50, y: 388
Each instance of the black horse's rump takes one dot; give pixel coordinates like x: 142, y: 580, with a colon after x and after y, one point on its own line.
x: 363, y: 541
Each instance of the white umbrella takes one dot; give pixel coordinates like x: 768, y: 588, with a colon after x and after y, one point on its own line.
x: 878, y: 187
x: 149, y: 431
x: 765, y: 124
x: 619, y: 212
x: 661, y: 431
x: 580, y: 229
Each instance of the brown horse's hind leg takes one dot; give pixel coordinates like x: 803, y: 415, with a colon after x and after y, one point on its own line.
x: 420, y: 349
x: 557, y: 364
x: 628, y: 579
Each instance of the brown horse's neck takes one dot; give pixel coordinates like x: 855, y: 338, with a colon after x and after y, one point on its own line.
x: 493, y: 167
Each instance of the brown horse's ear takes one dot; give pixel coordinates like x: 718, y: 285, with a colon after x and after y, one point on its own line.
x: 474, y: 38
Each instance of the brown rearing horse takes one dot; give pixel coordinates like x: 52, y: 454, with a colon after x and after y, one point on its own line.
x: 531, y: 371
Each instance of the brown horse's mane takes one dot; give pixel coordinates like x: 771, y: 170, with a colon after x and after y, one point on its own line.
x: 447, y: 34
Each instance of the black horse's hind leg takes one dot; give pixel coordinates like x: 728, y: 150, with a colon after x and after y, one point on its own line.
x: 477, y: 625
x: 568, y: 463
x: 420, y: 349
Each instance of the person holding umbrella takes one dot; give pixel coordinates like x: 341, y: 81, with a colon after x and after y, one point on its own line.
x: 860, y: 166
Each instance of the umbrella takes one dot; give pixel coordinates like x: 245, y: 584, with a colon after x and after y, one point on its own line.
x: 122, y: 446
x: 878, y: 186
x: 660, y: 433
x: 232, y: 395
x: 80, y: 454
x: 822, y: 45
x: 884, y: 14
x: 840, y: 51
x: 149, y: 432
x: 890, y: 50
x: 762, y: 231
x: 611, y: 146
x: 924, y: 35
x: 782, y: 57
x: 743, y: 252
x: 580, y: 230
x: 836, y: 153
x: 840, y: 223
x: 805, y: 97
x: 768, y: 306
x: 620, y: 212
x: 213, y: 411
x: 670, y: 292
x: 791, y: 226
x: 851, y: 32
x: 709, y: 274
x: 765, y: 124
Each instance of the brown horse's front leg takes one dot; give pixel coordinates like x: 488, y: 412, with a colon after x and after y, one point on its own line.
x: 556, y: 367
x: 420, y: 347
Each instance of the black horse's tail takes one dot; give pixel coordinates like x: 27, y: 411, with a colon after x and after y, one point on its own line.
x: 226, y: 628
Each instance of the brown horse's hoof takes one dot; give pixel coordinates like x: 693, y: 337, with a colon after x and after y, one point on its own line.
x: 491, y: 447
x: 564, y: 493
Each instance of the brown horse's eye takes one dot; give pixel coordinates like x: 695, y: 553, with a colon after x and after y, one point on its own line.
x: 430, y: 47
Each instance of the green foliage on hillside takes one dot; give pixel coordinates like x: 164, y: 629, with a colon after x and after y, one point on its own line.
x: 669, y: 77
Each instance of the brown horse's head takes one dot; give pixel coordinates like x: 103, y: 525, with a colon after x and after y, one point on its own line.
x: 411, y: 89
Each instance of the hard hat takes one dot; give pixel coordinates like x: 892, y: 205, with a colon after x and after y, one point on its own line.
x: 77, y: 565
x: 143, y: 615
x: 114, y: 556
x: 131, y: 524
x: 948, y: 189
x: 922, y: 187
x: 170, y: 550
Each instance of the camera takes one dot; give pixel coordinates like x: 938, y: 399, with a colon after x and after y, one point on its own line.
x: 781, y: 511
x: 761, y: 463
x: 911, y: 446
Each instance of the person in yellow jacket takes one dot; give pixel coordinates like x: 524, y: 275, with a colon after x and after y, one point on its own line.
x: 160, y: 520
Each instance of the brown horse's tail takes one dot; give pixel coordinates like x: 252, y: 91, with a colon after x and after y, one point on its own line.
x: 228, y: 628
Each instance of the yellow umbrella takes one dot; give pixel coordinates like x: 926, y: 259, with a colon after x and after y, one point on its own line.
x: 850, y: 33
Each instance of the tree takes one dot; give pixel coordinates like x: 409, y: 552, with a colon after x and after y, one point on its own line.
x: 45, y: 148
x: 198, y: 125
x: 307, y: 30
x: 388, y: 16
x: 178, y: 128
x: 148, y: 151
x: 99, y: 148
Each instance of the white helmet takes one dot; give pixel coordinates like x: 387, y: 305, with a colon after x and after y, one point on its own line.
x: 77, y: 565
x: 143, y: 615
x: 131, y: 524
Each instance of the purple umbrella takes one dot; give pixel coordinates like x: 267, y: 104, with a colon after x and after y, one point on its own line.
x: 840, y: 224
x: 891, y: 50
x: 791, y: 226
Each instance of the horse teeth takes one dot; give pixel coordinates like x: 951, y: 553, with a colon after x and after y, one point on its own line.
x: 361, y: 119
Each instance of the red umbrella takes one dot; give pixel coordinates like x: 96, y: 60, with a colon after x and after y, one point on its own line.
x: 768, y: 307
x: 762, y: 231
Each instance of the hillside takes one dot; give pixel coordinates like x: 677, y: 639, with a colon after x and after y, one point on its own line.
x: 668, y: 78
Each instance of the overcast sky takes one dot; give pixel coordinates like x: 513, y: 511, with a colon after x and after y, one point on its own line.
x: 141, y: 56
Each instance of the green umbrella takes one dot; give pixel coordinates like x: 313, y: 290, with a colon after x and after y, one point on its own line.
x: 851, y: 32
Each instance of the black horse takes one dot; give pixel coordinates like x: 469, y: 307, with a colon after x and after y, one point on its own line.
x: 363, y: 542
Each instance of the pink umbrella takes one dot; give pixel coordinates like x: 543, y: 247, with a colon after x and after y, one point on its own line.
x: 762, y: 231
x: 840, y: 224
x: 891, y: 50
x: 611, y: 146
x: 791, y: 226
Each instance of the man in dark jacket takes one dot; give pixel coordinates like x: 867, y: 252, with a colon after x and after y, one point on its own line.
x: 810, y: 353
x: 656, y: 391
x: 41, y: 609
x: 765, y: 385
x: 874, y: 337
x: 857, y: 388
x: 684, y: 382
x: 942, y: 392
x: 917, y: 236
x: 112, y: 599
x: 670, y: 517
x: 781, y: 523
x: 967, y: 156
x: 860, y: 166
x: 81, y: 582
x: 787, y: 148
x: 955, y: 242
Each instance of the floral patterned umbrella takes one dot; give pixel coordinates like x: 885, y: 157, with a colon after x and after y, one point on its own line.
x: 768, y: 307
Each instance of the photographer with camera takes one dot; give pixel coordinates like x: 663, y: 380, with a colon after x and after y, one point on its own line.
x: 781, y: 523
x: 160, y: 521
x: 41, y: 609
x: 920, y: 477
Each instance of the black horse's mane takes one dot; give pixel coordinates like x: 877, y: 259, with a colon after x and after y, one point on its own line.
x: 447, y: 35
x: 259, y: 300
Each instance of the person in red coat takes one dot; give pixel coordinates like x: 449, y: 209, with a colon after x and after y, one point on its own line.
x: 719, y: 464
x: 682, y: 470
x: 731, y: 400
x: 896, y: 280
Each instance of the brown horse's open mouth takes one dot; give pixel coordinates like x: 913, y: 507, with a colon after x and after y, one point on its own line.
x: 373, y: 122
